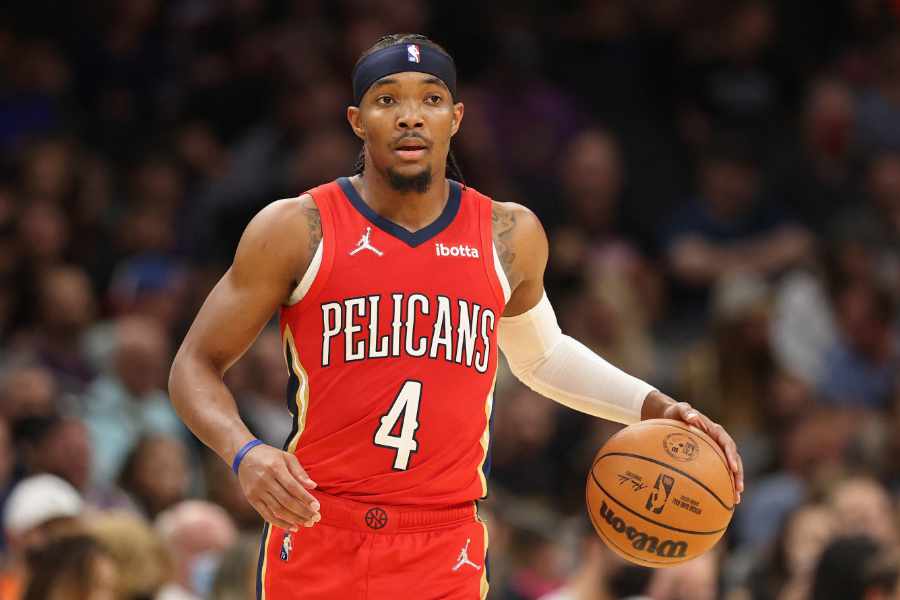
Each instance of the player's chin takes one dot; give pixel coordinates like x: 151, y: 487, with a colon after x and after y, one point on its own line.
x: 410, y: 178
x: 410, y: 168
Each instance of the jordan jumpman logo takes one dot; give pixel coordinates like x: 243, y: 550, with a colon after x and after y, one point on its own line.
x: 364, y: 244
x: 464, y: 558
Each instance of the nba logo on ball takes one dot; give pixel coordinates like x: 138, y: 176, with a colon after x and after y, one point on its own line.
x: 412, y: 53
x: 661, y: 492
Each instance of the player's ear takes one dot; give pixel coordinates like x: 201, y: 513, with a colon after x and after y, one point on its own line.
x: 355, y: 120
x: 458, y: 110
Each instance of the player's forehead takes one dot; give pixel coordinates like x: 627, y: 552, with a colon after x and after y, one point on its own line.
x: 407, y: 81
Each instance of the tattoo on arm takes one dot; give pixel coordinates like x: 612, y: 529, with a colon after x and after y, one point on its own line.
x: 314, y: 220
x: 504, y: 222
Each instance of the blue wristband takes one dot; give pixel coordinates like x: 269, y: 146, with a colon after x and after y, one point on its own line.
x: 236, y: 463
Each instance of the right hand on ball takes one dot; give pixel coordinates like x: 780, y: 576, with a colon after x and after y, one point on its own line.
x: 276, y: 486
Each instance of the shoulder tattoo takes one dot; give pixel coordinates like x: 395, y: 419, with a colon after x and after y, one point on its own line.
x: 314, y: 222
x: 504, y: 222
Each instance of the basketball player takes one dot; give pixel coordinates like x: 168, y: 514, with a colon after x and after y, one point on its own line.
x: 396, y: 287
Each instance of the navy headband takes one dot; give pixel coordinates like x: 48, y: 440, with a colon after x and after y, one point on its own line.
x: 399, y: 58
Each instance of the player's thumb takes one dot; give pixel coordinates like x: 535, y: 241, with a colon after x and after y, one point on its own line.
x: 298, y: 472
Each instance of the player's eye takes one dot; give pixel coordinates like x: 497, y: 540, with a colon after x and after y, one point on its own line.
x: 384, y: 100
x: 433, y: 99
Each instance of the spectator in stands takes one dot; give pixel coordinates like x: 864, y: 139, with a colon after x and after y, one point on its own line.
x: 236, y: 576
x: 863, y: 507
x: 806, y: 452
x: 56, y: 445
x: 855, y: 568
x: 786, y: 571
x: 39, y: 509
x: 66, y: 307
x: 728, y: 374
x: 874, y: 223
x: 728, y: 228
x: 862, y: 366
x: 614, y: 292
x: 143, y: 563
x: 879, y: 105
x: 27, y: 391
x: 73, y: 567
x: 129, y: 402
x: 819, y: 178
x: 594, y: 566
x: 156, y: 473
x: 197, y: 534
x: 696, y: 579
x: 524, y: 429
x: 43, y: 234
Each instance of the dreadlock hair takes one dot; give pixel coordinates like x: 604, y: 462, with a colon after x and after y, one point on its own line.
x: 453, y: 170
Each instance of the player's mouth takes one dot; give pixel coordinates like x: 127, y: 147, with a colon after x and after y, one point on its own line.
x: 411, y: 149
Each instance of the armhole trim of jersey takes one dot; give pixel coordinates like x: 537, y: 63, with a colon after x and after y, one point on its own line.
x: 501, y: 274
x: 319, y: 269
x: 309, y: 277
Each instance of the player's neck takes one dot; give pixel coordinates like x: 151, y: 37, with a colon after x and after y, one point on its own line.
x: 410, y: 210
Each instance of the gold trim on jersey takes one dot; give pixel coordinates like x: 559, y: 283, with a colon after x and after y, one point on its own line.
x: 265, y: 562
x: 486, y: 436
x: 485, y: 585
x: 301, y: 398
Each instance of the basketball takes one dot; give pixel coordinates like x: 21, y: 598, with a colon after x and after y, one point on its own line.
x: 660, y: 493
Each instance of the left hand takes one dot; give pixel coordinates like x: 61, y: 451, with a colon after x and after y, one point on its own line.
x: 660, y: 406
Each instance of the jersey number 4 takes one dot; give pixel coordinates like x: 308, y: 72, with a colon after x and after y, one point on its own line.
x: 406, y: 407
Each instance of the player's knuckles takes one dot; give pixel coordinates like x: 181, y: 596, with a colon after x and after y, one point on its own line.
x: 262, y: 490
x: 294, y: 508
x: 298, y: 492
x: 295, y: 489
x: 287, y: 517
x: 292, y: 462
x: 271, y: 470
x: 299, y: 509
x: 280, y: 514
x: 295, y: 467
x: 282, y: 524
x: 308, y: 499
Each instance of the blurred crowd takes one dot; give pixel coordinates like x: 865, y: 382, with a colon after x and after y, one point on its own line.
x: 720, y: 181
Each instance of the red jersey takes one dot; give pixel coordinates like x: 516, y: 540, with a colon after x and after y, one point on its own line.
x: 392, y: 352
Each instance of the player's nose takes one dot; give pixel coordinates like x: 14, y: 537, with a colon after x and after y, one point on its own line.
x: 410, y: 119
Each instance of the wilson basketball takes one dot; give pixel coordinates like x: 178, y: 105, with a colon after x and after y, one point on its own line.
x: 660, y: 493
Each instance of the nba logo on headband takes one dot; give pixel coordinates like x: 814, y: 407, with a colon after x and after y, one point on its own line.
x: 412, y: 53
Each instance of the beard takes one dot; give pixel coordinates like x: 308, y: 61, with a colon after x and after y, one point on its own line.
x: 418, y: 183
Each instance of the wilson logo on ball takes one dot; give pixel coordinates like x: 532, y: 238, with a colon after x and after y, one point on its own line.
x: 681, y: 446
x: 641, y: 541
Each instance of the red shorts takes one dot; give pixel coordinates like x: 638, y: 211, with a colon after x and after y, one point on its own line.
x: 367, y: 552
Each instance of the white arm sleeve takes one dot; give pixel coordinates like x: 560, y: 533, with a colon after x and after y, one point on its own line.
x: 565, y: 370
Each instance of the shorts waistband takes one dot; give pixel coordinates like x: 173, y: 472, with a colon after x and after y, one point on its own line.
x: 378, y: 518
